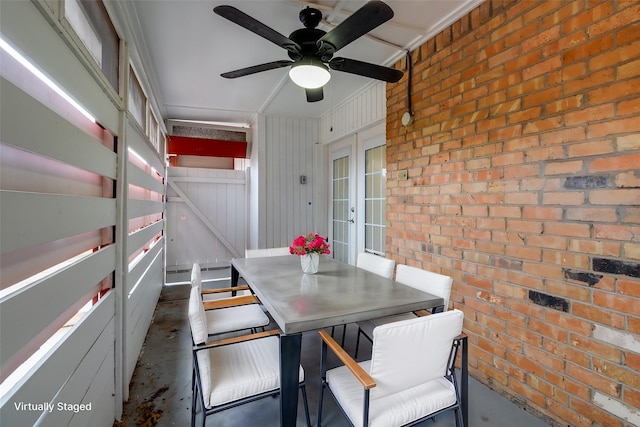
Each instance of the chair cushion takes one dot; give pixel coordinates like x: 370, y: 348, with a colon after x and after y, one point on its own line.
x: 240, y: 370
x: 393, y: 410
x: 411, y: 352
x: 368, y: 326
x: 426, y: 281
x: 235, y: 318
x: 196, y: 275
x: 197, y: 317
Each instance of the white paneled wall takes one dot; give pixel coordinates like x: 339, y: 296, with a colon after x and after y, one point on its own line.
x: 143, y: 246
x: 290, y: 207
x: 364, y: 109
x: 81, y: 231
x: 207, y: 217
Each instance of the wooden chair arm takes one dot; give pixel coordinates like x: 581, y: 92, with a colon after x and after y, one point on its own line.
x: 421, y: 313
x: 361, y: 375
x: 234, y: 340
x: 229, y: 302
x: 220, y: 290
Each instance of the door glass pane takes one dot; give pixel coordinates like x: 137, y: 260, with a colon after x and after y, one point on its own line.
x: 341, y: 212
x: 375, y: 199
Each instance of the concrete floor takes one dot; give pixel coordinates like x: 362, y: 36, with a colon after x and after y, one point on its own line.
x: 160, y: 391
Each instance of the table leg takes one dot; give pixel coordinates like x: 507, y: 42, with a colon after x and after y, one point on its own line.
x: 465, y: 383
x: 290, y: 348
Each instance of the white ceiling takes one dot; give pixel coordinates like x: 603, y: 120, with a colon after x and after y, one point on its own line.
x: 184, y: 47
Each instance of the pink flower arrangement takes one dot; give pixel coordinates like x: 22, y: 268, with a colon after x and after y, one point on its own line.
x: 312, y: 242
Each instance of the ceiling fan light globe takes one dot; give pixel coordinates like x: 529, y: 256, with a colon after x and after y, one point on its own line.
x: 309, y: 76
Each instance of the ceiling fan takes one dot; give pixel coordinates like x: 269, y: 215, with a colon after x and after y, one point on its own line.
x: 311, y: 48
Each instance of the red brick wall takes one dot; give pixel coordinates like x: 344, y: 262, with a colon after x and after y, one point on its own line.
x: 524, y: 186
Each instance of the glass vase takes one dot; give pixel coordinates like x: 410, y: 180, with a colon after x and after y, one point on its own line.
x: 310, y: 262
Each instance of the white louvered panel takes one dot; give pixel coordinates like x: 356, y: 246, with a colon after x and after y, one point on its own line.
x: 137, y: 176
x: 38, y: 307
x: 26, y: 218
x: 49, y: 376
x: 26, y: 262
x: 33, y: 34
x: 139, y: 238
x: 100, y: 390
x: 136, y: 273
x: 138, y: 208
x: 141, y: 305
x: 140, y: 144
x: 50, y: 135
x: 89, y: 383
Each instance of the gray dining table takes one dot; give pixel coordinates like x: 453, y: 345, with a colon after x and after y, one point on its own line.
x: 337, y: 294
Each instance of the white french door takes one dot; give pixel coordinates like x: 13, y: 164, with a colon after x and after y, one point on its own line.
x: 358, y: 195
x: 342, y: 203
x: 373, y: 227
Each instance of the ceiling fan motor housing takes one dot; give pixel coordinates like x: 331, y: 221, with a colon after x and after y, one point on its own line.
x: 307, y: 39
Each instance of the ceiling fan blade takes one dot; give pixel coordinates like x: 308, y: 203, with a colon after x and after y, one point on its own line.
x: 366, y: 69
x: 256, y: 69
x: 257, y: 27
x: 363, y: 20
x: 314, y: 95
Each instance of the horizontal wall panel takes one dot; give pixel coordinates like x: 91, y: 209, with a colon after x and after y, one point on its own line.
x: 36, y: 306
x: 87, y: 373
x: 49, y: 134
x: 241, y: 180
x: 136, y: 273
x: 143, y: 291
x: 138, y: 208
x: 139, y: 238
x: 139, y: 313
x: 43, y: 381
x: 22, y: 22
x: 28, y: 219
x: 138, y: 143
x: 137, y: 176
x: 100, y: 390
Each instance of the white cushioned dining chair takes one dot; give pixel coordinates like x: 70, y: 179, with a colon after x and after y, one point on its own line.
x: 375, y: 264
x: 231, y: 314
x: 411, y: 376
x: 423, y: 280
x: 233, y: 371
x: 257, y: 253
x: 214, y: 294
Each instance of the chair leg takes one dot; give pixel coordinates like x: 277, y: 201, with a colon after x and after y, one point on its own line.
x: 194, y: 400
x: 323, y: 379
x: 320, y: 405
x: 357, y: 342
x: 306, y: 404
x: 459, y: 420
x: 344, y: 333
